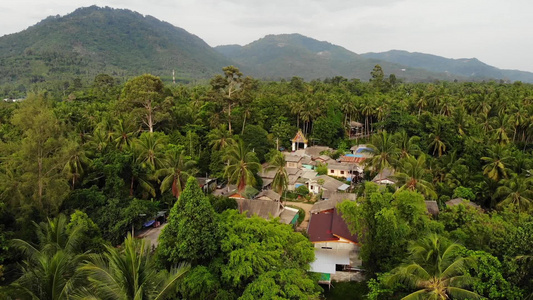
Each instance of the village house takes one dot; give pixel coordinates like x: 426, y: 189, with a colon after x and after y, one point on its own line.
x: 336, y: 248
x: 293, y: 161
x: 268, y: 210
x: 325, y: 183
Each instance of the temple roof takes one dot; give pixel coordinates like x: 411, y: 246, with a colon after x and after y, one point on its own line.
x: 299, y: 137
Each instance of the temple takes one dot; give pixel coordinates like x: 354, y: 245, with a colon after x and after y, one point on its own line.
x: 298, y: 138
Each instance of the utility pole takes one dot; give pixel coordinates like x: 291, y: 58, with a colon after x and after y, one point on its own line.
x: 173, y: 77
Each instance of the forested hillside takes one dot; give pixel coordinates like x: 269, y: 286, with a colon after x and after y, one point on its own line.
x: 93, y: 165
x: 96, y: 40
x: 286, y: 55
x: 466, y: 67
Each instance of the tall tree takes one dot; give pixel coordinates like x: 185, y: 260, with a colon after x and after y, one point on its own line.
x: 384, y: 151
x: 144, y: 99
x: 177, y: 167
x: 242, y: 166
x: 412, y: 176
x: 129, y: 273
x: 436, y: 269
x: 518, y: 191
x: 496, y: 163
x: 281, y: 179
x: 192, y: 230
x: 228, y: 88
x: 40, y: 156
x: 49, y: 268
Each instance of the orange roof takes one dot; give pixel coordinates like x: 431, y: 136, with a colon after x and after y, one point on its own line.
x: 299, y: 137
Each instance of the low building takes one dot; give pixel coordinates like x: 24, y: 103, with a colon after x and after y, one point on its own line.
x: 432, y: 208
x: 336, y: 248
x: 341, y: 170
x: 459, y: 201
x: 385, y: 177
x: 293, y: 161
x: 268, y: 195
x: 268, y: 210
x: 325, y: 183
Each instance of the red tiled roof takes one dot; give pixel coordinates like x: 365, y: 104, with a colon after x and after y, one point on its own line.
x: 329, y: 226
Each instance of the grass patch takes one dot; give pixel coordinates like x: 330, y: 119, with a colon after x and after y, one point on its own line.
x: 346, y: 291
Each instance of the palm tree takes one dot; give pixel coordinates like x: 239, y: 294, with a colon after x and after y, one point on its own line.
x: 242, y: 166
x: 436, y: 269
x: 495, y: 167
x: 150, y: 150
x: 130, y: 273
x: 76, y: 162
x: 176, y: 169
x: 49, y: 268
x: 408, y: 145
x: 140, y: 173
x: 281, y: 179
x: 518, y: 191
x: 219, y: 138
x: 384, y: 150
x: 123, y: 134
x: 411, y: 176
x: 438, y: 145
x: 500, y: 128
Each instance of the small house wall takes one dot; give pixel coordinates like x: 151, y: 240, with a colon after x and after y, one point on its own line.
x: 338, y: 173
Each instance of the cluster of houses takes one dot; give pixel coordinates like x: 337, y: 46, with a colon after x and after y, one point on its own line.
x: 336, y: 248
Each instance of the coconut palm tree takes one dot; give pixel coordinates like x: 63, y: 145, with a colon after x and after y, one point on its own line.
x: 130, y: 273
x: 407, y: 145
x: 384, y: 150
x: 496, y: 163
x: 76, y: 162
x: 281, y: 179
x: 150, y: 150
x: 436, y: 270
x: 49, y: 268
x: 177, y: 167
x: 242, y: 166
x: 517, y: 190
x: 436, y: 142
x: 220, y: 138
x: 123, y: 134
x: 411, y: 176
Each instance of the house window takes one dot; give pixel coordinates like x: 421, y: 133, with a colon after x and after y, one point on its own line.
x: 311, y: 187
x: 342, y: 172
x: 331, y: 171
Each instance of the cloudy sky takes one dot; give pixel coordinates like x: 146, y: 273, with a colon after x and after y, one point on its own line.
x: 498, y: 33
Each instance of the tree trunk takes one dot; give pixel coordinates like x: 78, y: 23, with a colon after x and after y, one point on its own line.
x: 131, y: 186
x: 229, y: 118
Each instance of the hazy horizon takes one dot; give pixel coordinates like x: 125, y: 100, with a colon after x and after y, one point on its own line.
x: 495, y: 33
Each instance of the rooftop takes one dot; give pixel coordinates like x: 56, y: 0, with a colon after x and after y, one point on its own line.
x: 265, y: 209
x: 269, y: 194
x: 329, y: 226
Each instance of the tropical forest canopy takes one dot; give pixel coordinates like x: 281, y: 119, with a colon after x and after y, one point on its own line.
x: 80, y: 169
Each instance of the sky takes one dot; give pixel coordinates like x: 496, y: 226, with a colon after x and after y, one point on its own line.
x: 499, y: 33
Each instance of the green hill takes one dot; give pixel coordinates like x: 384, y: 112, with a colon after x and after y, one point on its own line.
x: 96, y: 40
x: 288, y: 55
x: 471, y: 68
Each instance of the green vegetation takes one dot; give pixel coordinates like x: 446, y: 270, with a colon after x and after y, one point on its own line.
x: 97, y: 158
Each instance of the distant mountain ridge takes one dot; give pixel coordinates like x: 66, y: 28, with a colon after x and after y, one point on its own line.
x: 123, y: 43
x: 287, y: 55
x: 468, y: 67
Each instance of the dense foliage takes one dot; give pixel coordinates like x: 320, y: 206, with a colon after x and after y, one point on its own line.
x: 96, y: 156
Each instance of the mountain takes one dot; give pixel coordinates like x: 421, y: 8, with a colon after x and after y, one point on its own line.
x: 288, y: 55
x: 468, y: 67
x: 96, y: 40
